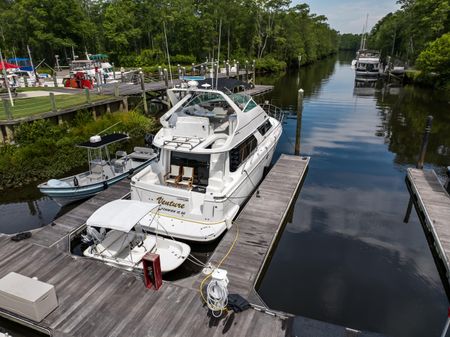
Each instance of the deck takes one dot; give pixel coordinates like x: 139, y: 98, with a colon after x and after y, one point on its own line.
x: 98, y: 300
x: 432, y: 204
x: 129, y: 89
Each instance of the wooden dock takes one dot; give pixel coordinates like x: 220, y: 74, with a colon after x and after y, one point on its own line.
x: 130, y: 89
x: 432, y: 204
x: 99, y: 300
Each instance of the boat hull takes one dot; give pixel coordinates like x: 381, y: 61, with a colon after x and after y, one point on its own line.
x: 172, y: 255
x: 197, y: 230
x: 66, y: 195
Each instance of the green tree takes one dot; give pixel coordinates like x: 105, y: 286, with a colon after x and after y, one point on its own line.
x: 436, y: 57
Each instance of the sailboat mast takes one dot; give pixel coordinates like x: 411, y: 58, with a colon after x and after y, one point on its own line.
x: 218, y: 53
x: 168, y: 55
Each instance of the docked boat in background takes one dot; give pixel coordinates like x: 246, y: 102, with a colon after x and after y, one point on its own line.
x: 368, y: 64
x: 117, y: 238
x: 103, y: 171
x: 214, y: 147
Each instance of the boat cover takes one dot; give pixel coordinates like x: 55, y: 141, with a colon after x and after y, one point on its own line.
x: 120, y: 215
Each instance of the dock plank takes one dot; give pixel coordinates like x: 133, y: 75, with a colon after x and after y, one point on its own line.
x: 433, y: 205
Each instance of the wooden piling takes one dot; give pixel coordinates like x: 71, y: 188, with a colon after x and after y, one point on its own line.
x: 166, y: 77
x: 246, y: 71
x: 53, y: 102
x: 88, y: 96
x: 227, y: 69
x: 55, y: 80
x: 299, y: 121
x: 7, y: 108
x: 237, y: 70
x: 425, y: 139
x: 144, y: 96
x: 116, y: 90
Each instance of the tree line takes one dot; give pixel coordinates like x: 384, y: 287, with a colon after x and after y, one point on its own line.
x: 133, y: 32
x: 418, y: 34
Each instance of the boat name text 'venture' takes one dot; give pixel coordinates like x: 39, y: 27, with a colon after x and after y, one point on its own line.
x: 164, y: 202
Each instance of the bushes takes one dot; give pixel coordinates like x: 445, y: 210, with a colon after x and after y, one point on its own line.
x: 46, y: 151
x: 269, y: 64
x: 435, y: 58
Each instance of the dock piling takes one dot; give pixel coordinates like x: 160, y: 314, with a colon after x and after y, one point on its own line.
x: 420, y: 162
x: 7, y: 108
x: 144, y: 96
x: 166, y: 78
x: 53, y: 102
x: 116, y: 90
x: 227, y: 69
x: 246, y: 71
x: 88, y: 96
x: 237, y: 69
x: 299, y: 122
x: 447, y: 183
x: 426, y: 137
x: 55, y: 80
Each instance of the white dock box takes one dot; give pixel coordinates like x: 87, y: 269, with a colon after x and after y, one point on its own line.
x: 27, y: 297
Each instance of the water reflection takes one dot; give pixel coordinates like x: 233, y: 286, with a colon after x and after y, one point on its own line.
x: 347, y: 257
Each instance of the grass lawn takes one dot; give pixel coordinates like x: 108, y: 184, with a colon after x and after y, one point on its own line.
x: 24, y: 107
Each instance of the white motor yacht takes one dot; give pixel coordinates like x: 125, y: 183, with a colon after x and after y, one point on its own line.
x: 213, y: 150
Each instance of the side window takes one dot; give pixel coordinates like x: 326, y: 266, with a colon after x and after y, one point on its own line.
x: 241, y: 152
x: 265, y: 127
x: 250, y: 105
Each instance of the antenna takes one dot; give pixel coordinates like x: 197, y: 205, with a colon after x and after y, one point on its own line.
x: 167, y: 51
x: 218, y: 54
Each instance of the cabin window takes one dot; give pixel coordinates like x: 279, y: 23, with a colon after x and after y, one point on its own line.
x: 250, y: 105
x: 241, y: 152
x: 200, y: 163
x: 265, y: 127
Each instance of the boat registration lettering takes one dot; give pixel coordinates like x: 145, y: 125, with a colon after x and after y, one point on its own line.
x: 165, y: 202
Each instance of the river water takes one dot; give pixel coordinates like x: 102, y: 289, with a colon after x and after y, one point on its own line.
x: 346, y: 257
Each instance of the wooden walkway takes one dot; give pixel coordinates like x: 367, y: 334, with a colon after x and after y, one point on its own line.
x: 129, y: 89
x: 432, y: 204
x: 97, y: 300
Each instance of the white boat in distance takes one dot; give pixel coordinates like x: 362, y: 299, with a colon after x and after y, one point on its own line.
x: 368, y: 63
x: 103, y: 171
x: 120, y: 241
x: 213, y: 150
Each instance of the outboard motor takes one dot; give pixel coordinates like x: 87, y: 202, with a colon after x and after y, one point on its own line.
x: 447, y: 183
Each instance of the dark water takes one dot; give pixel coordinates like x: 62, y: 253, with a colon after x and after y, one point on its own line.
x: 347, y: 257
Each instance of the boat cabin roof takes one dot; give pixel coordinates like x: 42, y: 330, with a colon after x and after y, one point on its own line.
x: 120, y: 215
x: 104, y: 141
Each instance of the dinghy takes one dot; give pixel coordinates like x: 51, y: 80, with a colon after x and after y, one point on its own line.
x: 118, y: 239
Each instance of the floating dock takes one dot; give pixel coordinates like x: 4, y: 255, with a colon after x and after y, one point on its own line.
x: 99, y: 300
x: 432, y: 203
